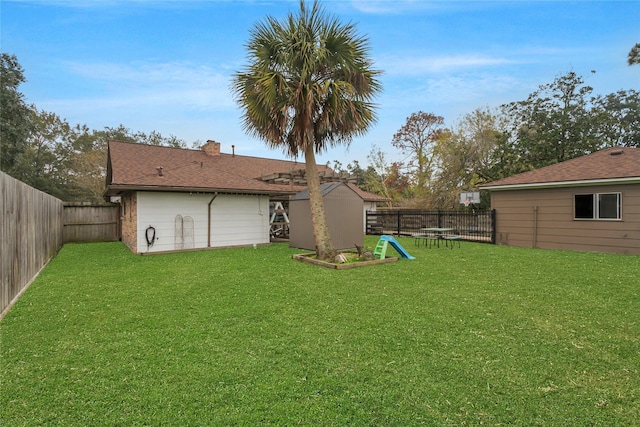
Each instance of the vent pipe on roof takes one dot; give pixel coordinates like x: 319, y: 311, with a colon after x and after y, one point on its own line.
x: 616, y: 152
x: 233, y: 150
x: 159, y: 169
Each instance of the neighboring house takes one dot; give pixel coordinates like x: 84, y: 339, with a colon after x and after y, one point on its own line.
x: 591, y: 203
x: 177, y: 199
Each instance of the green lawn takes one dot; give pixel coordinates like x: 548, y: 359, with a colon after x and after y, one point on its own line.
x: 474, y: 335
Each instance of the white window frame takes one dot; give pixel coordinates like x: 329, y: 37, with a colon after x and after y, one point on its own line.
x: 596, y: 206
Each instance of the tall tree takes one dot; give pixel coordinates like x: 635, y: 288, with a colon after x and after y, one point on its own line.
x: 417, y: 138
x: 465, y: 156
x: 88, y: 159
x: 45, y: 163
x: 553, y: 124
x: 386, y: 179
x: 15, y: 115
x: 309, y: 86
x: 634, y: 55
x: 353, y: 173
x: 616, y: 118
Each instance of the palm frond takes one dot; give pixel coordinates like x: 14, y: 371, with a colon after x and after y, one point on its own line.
x: 309, y: 81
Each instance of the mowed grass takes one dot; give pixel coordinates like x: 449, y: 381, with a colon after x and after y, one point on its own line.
x: 474, y: 335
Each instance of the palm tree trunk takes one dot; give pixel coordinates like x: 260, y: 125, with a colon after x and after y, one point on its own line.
x: 324, y: 245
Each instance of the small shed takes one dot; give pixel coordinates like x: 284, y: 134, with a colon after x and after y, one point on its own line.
x: 343, y: 209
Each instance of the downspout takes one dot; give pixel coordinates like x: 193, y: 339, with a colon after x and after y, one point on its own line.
x: 535, y: 226
x: 209, y: 219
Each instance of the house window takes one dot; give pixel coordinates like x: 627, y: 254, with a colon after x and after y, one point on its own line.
x: 598, y: 206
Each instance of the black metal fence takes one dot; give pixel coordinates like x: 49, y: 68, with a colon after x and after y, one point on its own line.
x: 473, y: 225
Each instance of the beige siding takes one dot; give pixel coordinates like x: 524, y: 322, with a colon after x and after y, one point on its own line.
x: 543, y: 218
x: 343, y: 208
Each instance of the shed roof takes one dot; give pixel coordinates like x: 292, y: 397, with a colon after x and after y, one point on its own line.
x: 330, y: 186
x: 325, y: 188
x: 610, y: 166
x: 367, y: 196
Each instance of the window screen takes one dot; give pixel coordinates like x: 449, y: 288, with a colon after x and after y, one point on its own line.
x: 609, y: 206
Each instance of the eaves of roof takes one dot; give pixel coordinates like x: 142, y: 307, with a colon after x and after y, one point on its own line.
x: 617, y: 165
x: 114, y: 190
x: 557, y: 184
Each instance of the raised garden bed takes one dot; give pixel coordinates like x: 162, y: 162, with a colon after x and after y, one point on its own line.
x: 309, y: 259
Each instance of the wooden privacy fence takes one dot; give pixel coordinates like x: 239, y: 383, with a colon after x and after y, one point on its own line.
x: 31, y: 234
x: 85, y: 222
x: 476, y: 225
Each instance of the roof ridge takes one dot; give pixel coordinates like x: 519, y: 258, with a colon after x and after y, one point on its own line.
x: 199, y: 150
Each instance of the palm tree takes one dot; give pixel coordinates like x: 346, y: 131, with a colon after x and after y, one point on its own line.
x: 308, y: 86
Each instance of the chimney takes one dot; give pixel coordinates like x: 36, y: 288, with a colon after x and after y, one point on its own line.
x: 211, y: 148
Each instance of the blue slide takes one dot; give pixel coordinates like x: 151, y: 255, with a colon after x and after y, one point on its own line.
x: 397, y: 246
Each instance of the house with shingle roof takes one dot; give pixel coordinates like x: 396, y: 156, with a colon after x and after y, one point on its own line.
x: 178, y: 199
x: 590, y: 203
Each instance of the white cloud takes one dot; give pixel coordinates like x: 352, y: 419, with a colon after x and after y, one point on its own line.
x: 92, y: 4
x: 452, y: 96
x: 157, y: 84
x: 409, y: 65
x: 390, y: 7
x: 470, y: 90
x: 188, y: 100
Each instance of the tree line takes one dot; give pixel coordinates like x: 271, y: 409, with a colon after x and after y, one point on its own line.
x: 559, y: 121
x: 44, y: 151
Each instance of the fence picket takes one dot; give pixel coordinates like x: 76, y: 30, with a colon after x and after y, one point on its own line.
x: 34, y: 227
x: 91, y: 223
x: 30, y: 235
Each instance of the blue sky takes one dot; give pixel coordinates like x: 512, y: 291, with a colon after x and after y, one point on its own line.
x: 167, y: 65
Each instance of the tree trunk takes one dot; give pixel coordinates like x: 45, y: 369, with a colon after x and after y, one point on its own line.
x: 324, y: 245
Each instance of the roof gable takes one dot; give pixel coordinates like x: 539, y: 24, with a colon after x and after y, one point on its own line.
x: 324, y: 188
x: 613, y: 165
x: 328, y: 187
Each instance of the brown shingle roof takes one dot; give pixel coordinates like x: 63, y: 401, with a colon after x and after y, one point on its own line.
x: 367, y: 196
x: 133, y: 166
x: 606, y: 166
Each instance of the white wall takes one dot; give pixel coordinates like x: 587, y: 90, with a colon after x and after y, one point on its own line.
x: 239, y: 220
x: 236, y: 220
x: 368, y: 206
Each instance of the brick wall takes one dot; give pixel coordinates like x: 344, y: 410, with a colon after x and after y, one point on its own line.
x: 129, y: 215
